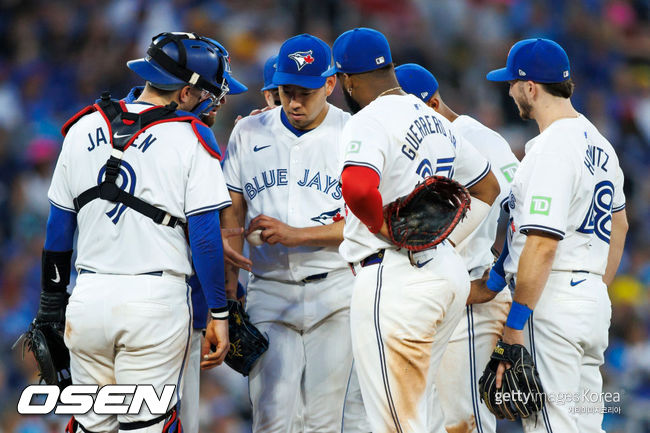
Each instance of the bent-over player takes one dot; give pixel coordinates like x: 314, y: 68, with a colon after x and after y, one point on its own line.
x: 565, y: 238
x: 472, y: 341
x: 404, y: 306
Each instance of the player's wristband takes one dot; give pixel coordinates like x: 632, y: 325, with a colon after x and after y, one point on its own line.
x: 218, y: 314
x: 496, y: 282
x: 518, y: 316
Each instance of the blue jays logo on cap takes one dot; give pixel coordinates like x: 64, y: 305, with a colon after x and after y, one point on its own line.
x: 539, y: 60
x: 302, y: 58
x: 302, y: 61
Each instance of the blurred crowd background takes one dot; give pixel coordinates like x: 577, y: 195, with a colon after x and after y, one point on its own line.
x: 56, y: 56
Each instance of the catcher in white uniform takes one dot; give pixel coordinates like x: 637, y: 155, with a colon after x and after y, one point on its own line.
x: 281, y: 170
x: 474, y: 338
x: 132, y: 176
x: 565, y: 239
x: 404, y: 306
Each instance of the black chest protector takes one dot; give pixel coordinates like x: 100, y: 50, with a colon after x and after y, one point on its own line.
x: 124, y: 127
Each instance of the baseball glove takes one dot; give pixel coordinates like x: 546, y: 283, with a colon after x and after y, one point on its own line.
x: 247, y: 343
x: 426, y: 216
x: 521, y: 393
x: 44, y: 339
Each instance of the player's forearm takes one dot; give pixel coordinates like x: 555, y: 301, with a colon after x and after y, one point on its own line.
x: 329, y: 235
x: 534, y: 268
x: 233, y: 217
x: 616, y: 244
x: 487, y: 189
x: 473, y: 218
x: 207, y: 256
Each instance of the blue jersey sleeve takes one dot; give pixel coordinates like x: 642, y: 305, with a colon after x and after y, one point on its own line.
x: 61, y: 226
x: 207, y: 256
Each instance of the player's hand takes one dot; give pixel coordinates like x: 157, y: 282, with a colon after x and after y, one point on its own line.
x: 479, y: 292
x: 216, y: 336
x: 254, y: 113
x: 231, y: 256
x: 275, y: 231
x: 510, y: 336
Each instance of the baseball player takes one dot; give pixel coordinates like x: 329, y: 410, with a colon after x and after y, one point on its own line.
x: 404, y: 305
x: 270, y: 90
x: 565, y: 239
x: 472, y: 341
x: 189, y: 409
x: 281, y: 170
x: 130, y: 177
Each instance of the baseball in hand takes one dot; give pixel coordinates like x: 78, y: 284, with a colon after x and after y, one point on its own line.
x: 255, y: 238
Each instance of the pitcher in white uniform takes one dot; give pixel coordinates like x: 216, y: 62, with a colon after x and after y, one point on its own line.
x: 404, y: 306
x: 474, y: 338
x: 281, y: 168
x: 565, y: 239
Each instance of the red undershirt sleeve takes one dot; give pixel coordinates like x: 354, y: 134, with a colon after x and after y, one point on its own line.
x: 359, y: 187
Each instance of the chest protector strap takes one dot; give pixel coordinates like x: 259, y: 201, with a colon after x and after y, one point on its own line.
x: 124, y: 127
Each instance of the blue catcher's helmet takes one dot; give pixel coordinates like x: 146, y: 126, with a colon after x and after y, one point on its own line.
x: 175, y: 60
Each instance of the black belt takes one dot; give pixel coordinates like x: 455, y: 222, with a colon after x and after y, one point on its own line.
x: 316, y: 277
x: 373, y: 259
x: 154, y: 273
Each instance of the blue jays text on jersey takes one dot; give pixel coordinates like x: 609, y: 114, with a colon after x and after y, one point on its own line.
x: 278, y: 177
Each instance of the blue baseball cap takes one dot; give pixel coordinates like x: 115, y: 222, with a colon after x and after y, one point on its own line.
x: 416, y: 80
x: 269, y: 70
x: 539, y: 60
x: 360, y: 50
x: 301, y: 61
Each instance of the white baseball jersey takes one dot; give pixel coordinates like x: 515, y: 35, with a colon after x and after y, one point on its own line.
x: 293, y: 179
x: 568, y: 184
x: 475, y: 249
x: 417, y: 143
x: 166, y: 166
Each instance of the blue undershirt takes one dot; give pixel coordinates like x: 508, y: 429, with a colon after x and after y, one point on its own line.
x: 285, y: 121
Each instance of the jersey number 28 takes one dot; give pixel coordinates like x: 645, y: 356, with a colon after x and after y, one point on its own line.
x: 599, y: 215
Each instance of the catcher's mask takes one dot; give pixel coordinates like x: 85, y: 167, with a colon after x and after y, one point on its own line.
x: 175, y: 60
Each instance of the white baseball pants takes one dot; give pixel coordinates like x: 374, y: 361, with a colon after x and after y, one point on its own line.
x: 463, y: 362
x: 567, y: 335
x: 401, y: 318
x: 299, y: 383
x: 191, y: 386
x: 128, y: 330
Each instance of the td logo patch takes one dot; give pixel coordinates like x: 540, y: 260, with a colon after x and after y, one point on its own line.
x: 302, y: 58
x: 540, y: 205
x: 353, y: 147
x: 508, y: 171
